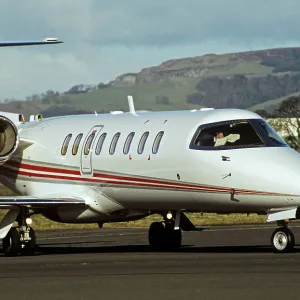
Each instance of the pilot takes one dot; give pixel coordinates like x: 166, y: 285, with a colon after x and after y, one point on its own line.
x: 219, y: 135
x: 222, y: 138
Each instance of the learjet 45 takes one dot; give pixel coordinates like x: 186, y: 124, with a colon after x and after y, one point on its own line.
x: 125, y: 166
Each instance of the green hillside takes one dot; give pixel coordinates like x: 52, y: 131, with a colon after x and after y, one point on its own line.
x: 145, y: 96
x: 249, y: 80
x: 272, y: 104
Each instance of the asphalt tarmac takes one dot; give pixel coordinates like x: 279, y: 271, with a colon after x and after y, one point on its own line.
x: 216, y: 263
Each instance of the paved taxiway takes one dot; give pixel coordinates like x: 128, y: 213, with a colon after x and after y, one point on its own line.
x: 218, y: 263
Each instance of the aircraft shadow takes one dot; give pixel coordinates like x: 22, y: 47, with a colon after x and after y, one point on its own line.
x: 52, y: 250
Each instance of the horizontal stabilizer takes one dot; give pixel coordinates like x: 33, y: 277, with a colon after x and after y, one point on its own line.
x: 30, y: 43
x: 36, y: 202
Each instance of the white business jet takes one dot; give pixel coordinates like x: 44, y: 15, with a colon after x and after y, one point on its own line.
x: 124, y: 166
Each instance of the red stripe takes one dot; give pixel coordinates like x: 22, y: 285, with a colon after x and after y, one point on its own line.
x: 116, y: 177
x: 142, y: 182
x: 61, y: 177
x: 48, y: 169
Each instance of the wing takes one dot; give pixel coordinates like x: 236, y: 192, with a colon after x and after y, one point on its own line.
x: 46, y: 41
x: 13, y: 203
x: 35, y: 202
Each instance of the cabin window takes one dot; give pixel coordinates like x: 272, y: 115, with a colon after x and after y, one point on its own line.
x: 143, y: 142
x: 65, y: 145
x: 76, y: 144
x: 157, y: 142
x: 227, y: 135
x: 128, y: 143
x: 88, y: 144
x: 100, y: 143
x: 114, y: 142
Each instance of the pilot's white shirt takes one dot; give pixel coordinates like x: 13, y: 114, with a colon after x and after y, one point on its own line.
x: 229, y: 138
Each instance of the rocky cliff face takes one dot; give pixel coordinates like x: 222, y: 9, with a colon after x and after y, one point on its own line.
x: 231, y: 80
x: 278, y: 60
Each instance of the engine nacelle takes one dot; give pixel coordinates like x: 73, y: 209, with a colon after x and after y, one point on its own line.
x: 9, y: 139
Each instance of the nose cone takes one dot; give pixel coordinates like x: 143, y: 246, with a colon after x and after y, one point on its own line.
x: 284, y: 156
x: 271, y: 169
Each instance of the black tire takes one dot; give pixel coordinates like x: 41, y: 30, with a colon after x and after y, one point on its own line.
x: 173, y: 239
x: 30, y: 246
x: 11, y: 243
x: 156, y: 234
x: 283, y: 240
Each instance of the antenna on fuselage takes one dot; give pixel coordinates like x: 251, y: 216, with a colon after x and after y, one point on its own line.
x: 131, y: 105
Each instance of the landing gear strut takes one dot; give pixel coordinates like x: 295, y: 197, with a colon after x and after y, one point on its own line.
x: 283, y: 239
x: 167, y: 234
x: 20, y: 239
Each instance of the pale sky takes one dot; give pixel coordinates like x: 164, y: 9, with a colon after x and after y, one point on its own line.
x: 103, y: 39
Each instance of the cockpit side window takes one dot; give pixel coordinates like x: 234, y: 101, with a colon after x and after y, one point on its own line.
x: 271, y: 133
x: 235, y: 134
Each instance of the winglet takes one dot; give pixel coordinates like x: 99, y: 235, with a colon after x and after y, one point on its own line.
x: 52, y: 40
x: 131, y: 105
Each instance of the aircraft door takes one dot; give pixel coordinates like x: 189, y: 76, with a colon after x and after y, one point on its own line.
x: 88, y: 149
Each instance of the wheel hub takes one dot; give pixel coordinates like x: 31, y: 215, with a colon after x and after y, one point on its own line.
x: 280, y: 241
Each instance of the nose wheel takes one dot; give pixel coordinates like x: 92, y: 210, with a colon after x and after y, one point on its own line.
x: 283, y: 240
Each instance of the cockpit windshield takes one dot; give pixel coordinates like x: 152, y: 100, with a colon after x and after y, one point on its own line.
x: 236, y: 134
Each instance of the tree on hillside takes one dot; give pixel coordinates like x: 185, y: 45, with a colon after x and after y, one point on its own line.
x: 263, y: 113
x: 287, y: 121
x: 34, y: 97
x: 162, y: 100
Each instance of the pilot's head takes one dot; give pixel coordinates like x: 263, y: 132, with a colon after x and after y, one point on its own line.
x: 219, y: 135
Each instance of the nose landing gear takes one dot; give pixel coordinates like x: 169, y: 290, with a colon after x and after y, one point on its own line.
x: 283, y: 240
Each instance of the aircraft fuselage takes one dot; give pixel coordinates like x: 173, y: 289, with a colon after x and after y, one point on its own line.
x: 177, y: 177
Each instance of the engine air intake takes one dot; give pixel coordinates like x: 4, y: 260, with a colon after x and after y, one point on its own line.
x: 8, y: 138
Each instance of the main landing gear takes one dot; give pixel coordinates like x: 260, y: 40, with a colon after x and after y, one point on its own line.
x: 166, y: 234
x: 20, y: 239
x: 283, y: 239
